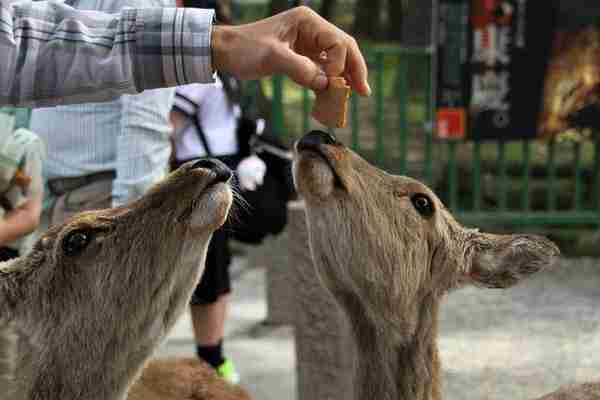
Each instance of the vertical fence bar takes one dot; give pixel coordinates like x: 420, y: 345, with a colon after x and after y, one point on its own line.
x: 503, y: 194
x: 277, y: 105
x: 578, y: 199
x: 551, y: 199
x: 476, y: 176
x: 452, y: 176
x: 525, y: 206
x: 429, y: 123
x: 355, y: 122
x: 596, y: 179
x: 380, y: 110
x: 305, y: 110
x: 403, y: 113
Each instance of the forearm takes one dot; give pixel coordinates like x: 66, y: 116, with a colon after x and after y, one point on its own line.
x: 17, y: 224
x: 98, y: 56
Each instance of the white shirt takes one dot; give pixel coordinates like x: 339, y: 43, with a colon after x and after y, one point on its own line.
x: 217, y: 117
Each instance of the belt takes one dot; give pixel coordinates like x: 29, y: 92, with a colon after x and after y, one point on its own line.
x: 60, y: 186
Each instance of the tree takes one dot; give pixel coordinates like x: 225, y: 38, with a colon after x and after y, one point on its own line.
x: 277, y: 6
x: 327, y: 7
x: 367, y: 21
x: 395, y: 19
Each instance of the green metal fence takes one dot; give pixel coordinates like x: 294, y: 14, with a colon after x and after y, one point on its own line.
x: 504, y: 183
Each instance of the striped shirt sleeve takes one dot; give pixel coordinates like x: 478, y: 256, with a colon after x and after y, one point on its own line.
x: 54, y: 54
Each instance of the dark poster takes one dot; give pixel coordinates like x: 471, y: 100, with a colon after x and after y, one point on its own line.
x: 571, y: 102
x: 504, y: 48
x: 453, y: 71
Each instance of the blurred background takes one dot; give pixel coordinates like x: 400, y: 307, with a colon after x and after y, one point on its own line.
x: 546, y: 182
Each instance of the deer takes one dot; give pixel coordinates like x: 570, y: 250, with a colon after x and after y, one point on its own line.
x: 83, y: 312
x: 388, y: 251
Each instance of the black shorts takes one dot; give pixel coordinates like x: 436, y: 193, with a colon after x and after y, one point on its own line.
x: 215, y: 280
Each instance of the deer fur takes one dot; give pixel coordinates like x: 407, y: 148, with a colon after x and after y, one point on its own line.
x: 388, y: 266
x: 89, y: 319
x: 183, y: 379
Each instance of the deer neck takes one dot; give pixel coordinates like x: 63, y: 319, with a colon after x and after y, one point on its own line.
x: 387, y: 370
x: 418, y: 363
x: 98, y: 357
x: 75, y: 367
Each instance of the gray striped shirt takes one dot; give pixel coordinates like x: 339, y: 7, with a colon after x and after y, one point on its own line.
x: 54, y: 54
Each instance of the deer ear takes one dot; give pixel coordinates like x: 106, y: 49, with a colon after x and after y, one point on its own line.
x: 500, y: 261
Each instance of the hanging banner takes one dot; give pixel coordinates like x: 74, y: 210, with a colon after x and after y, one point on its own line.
x: 571, y: 102
x: 493, y: 55
x: 453, y: 69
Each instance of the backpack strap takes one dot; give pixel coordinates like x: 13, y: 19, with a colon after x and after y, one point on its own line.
x: 192, y: 113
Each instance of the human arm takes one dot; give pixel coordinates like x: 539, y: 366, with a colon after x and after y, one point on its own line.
x: 143, y: 146
x: 25, y: 217
x: 98, y: 56
x: 22, y: 220
x: 298, y: 43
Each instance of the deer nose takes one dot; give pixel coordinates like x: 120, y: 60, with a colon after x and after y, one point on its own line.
x: 221, y: 170
x: 206, y: 163
x: 315, y: 139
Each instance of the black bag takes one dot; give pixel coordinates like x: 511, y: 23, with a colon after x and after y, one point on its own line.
x: 265, y: 211
x: 267, y: 205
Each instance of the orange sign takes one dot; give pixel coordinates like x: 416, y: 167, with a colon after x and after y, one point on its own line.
x: 451, y: 123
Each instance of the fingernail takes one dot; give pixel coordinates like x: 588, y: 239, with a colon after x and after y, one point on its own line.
x: 369, y: 91
x: 321, y: 82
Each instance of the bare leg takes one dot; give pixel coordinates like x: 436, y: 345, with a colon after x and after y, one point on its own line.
x: 209, y: 321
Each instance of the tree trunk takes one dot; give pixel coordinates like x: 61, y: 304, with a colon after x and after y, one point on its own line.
x: 395, y: 19
x: 367, y: 21
x: 327, y: 7
x: 278, y: 6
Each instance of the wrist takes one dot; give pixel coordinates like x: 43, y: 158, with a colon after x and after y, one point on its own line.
x: 221, y: 37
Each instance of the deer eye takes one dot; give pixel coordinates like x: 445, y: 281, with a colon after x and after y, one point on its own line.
x: 75, y: 242
x: 422, y: 204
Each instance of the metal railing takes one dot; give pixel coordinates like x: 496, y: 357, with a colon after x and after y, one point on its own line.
x: 505, y: 183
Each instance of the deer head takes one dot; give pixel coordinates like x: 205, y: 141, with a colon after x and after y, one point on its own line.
x: 385, y: 245
x: 98, y: 293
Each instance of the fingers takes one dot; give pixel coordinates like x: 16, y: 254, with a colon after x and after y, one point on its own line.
x: 344, y: 57
x: 356, y: 69
x: 300, y: 69
x: 334, y: 63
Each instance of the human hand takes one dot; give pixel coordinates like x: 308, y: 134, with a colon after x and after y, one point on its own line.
x: 251, y: 172
x: 298, y: 43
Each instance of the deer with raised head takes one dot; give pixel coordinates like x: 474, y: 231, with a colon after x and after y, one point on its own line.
x: 388, y: 251
x: 98, y: 294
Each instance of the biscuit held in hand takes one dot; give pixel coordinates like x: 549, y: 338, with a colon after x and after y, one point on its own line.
x: 331, y: 105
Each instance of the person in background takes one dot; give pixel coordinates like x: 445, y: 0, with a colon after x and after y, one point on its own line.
x: 205, y: 121
x: 21, y: 158
x: 103, y: 155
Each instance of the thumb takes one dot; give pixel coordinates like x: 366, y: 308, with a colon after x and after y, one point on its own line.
x: 302, y: 70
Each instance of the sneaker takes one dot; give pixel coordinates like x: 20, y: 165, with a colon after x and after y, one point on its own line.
x: 228, y: 372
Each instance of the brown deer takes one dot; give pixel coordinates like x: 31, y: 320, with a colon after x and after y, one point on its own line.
x: 388, y: 251
x: 183, y: 379
x: 97, y: 294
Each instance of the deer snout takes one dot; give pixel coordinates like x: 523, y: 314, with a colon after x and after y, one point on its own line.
x: 220, y: 170
x: 314, y: 139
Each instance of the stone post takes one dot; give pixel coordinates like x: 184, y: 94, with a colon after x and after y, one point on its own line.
x: 325, y: 351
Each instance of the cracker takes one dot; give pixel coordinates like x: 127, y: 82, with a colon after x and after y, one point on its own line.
x: 331, y: 105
